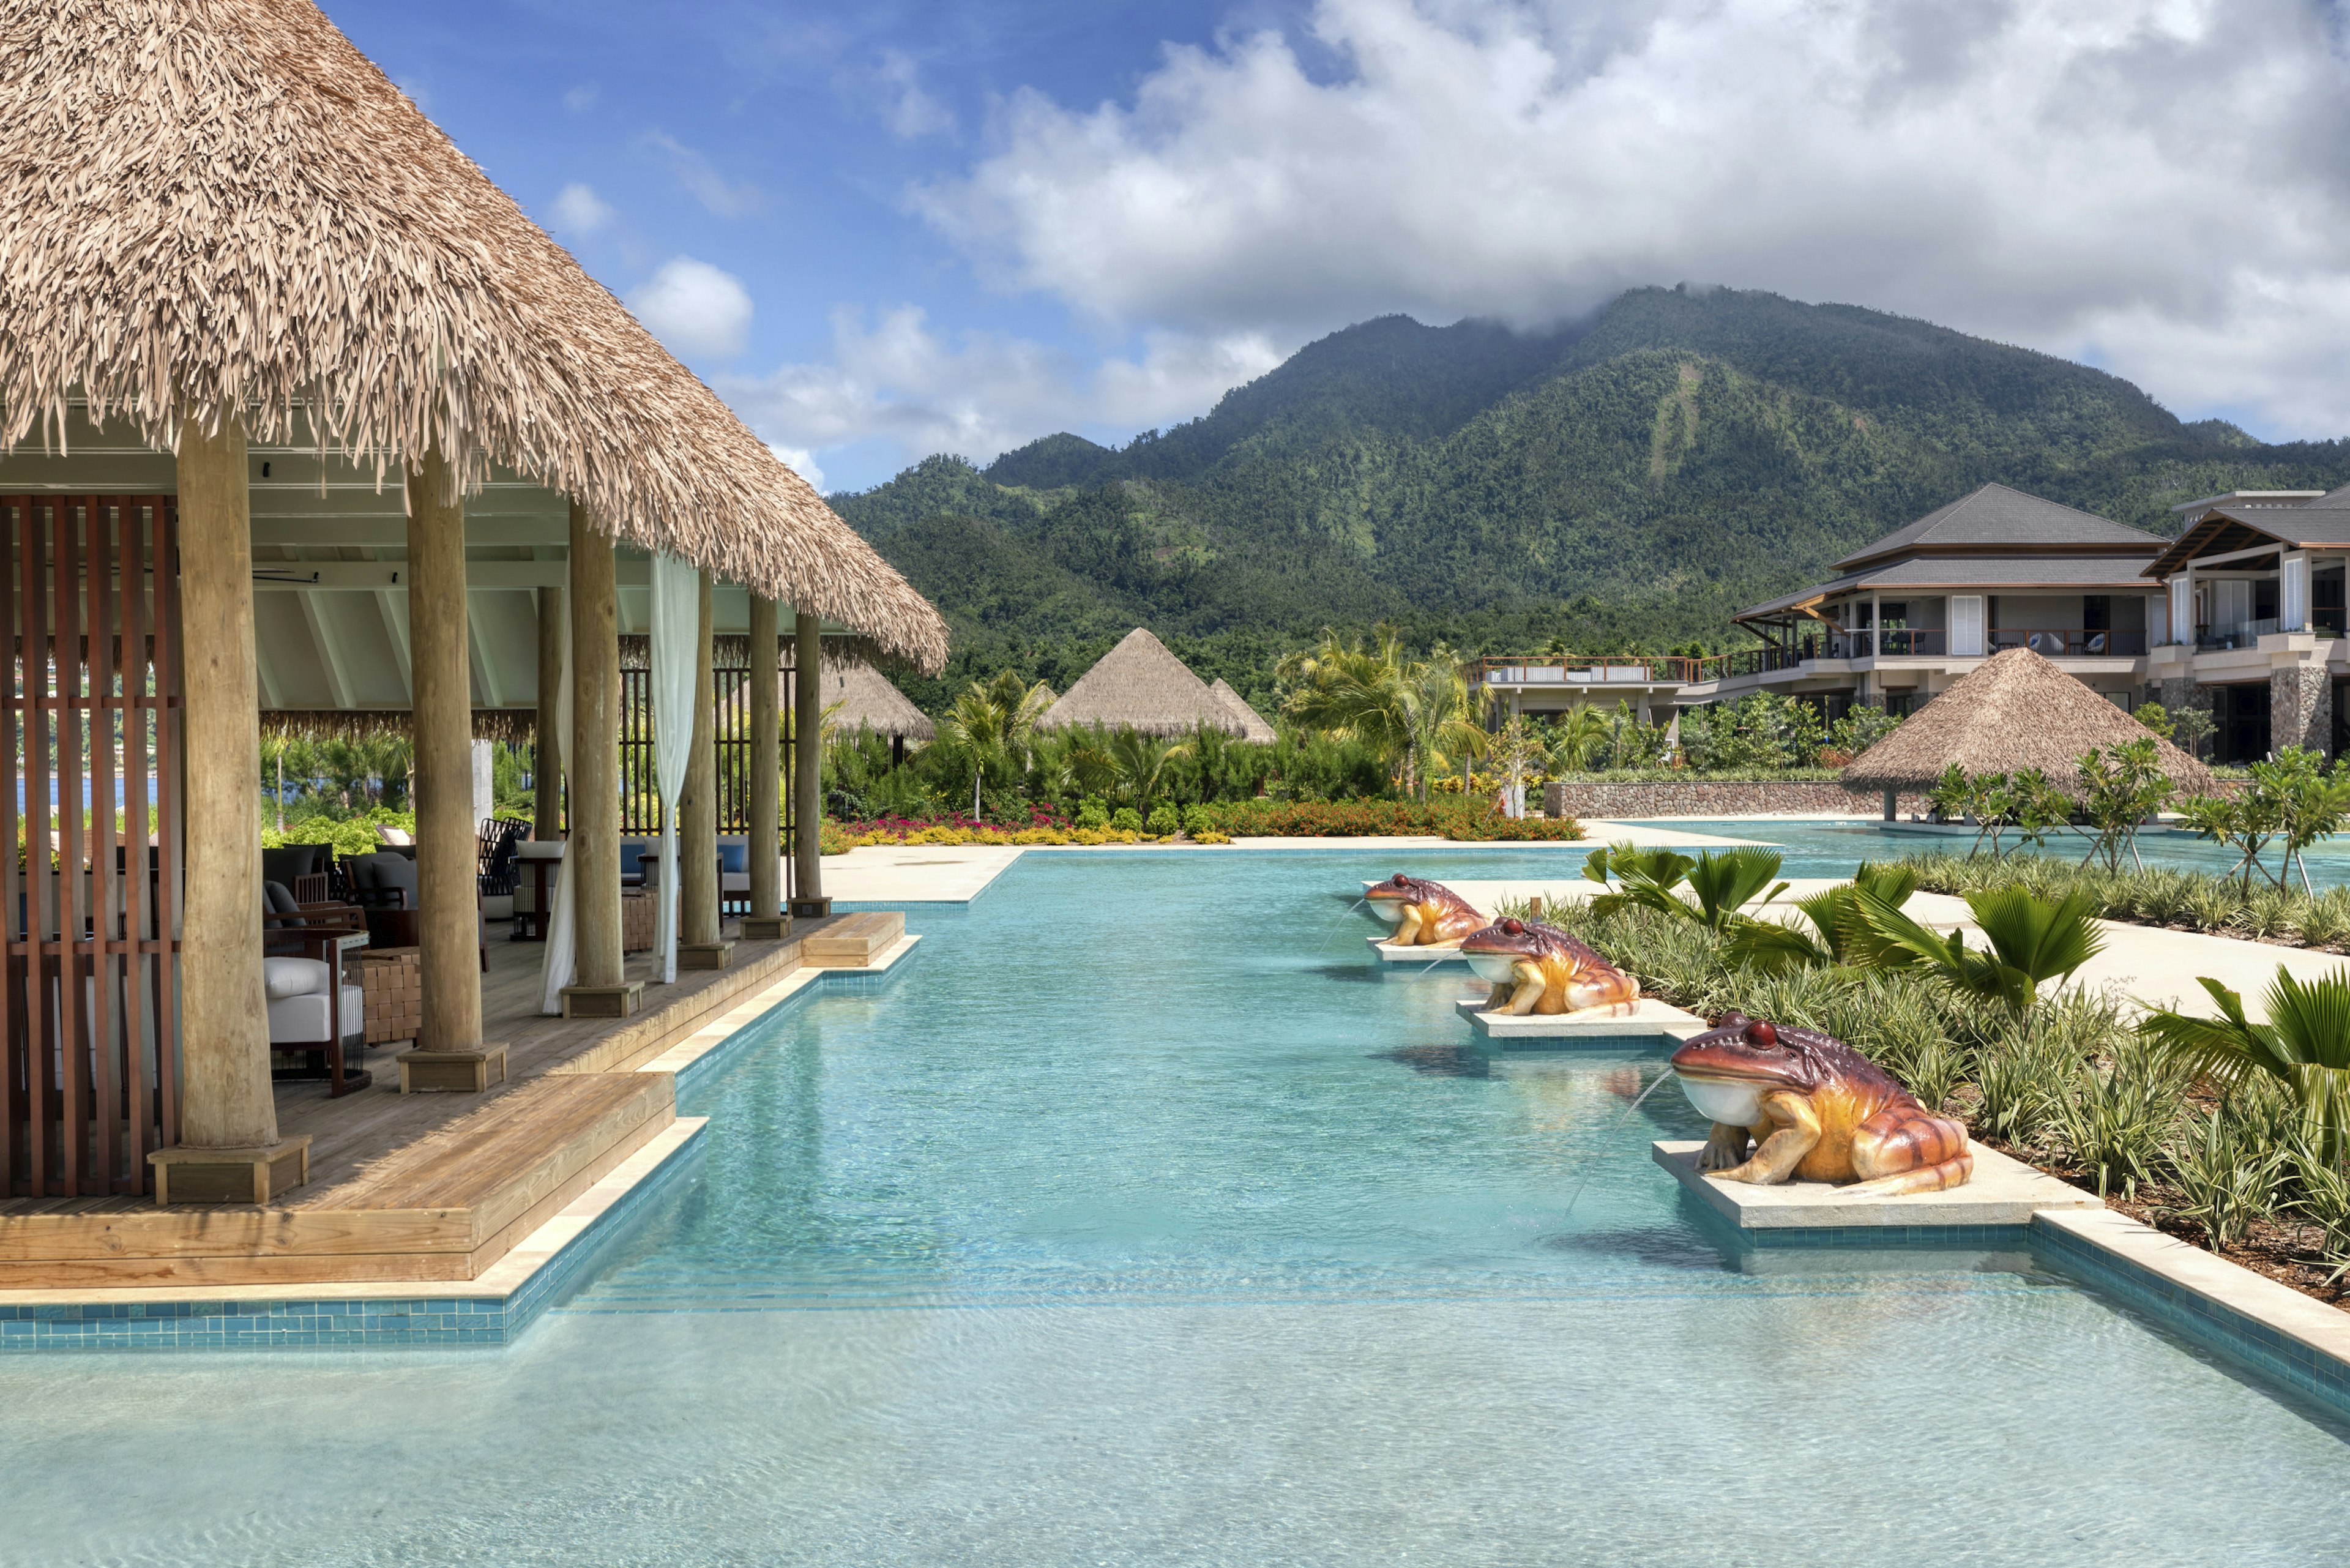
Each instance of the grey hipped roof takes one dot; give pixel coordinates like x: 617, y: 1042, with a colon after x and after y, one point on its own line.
x: 2226, y: 529
x: 1996, y: 516
x: 1963, y: 574
x: 1139, y: 685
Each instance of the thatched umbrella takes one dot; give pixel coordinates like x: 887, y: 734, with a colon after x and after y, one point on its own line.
x: 2016, y: 711
x: 221, y: 207
x: 1139, y: 685
x: 1254, y: 726
x: 869, y: 701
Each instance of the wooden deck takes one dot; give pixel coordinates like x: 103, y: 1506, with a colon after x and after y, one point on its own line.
x: 425, y: 1187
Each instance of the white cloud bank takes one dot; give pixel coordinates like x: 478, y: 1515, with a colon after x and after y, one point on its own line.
x: 899, y: 381
x: 695, y: 309
x: 2161, y: 184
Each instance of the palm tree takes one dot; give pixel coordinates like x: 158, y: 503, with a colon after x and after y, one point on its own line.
x: 1583, y: 731
x: 2304, y: 1045
x: 2032, y: 941
x: 1137, y: 761
x: 1438, y: 719
x: 991, y: 727
x: 1349, y: 692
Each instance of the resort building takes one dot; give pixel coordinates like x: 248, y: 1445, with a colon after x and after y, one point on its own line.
x: 2242, y: 614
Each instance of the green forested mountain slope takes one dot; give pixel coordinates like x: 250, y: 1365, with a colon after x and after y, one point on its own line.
x: 1625, y: 480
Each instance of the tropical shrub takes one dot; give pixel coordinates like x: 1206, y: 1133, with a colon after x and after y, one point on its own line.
x: 1125, y: 819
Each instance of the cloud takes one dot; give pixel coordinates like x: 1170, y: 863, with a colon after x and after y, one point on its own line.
x: 579, y: 211
x: 908, y: 110
x: 581, y: 98
x: 2156, y: 182
x: 800, y: 460
x: 898, y: 382
x: 694, y: 172
x: 694, y: 309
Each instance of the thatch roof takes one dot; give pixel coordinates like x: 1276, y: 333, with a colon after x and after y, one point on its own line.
x: 1254, y: 726
x: 1139, y: 685
x: 218, y: 206
x: 869, y: 700
x: 516, y: 726
x: 2015, y: 711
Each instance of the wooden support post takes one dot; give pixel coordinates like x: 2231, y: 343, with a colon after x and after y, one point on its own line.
x: 547, y: 752
x: 766, y: 920
x: 809, y: 901
x: 228, y: 1114
x: 698, y: 944
x: 450, y: 1052
x: 591, y: 858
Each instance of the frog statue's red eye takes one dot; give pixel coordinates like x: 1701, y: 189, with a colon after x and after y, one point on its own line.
x: 1514, y: 927
x: 1401, y: 881
x: 1762, y: 1033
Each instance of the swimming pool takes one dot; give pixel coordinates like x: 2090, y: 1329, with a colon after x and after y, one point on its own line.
x: 1140, y: 1220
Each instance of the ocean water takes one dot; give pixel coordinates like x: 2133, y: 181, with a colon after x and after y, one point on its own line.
x: 1142, y: 1220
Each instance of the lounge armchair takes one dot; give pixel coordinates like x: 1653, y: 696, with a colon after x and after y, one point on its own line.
x: 305, y: 948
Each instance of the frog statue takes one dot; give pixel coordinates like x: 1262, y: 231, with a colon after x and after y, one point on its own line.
x: 1536, y: 968
x: 1424, y: 914
x: 1815, y: 1109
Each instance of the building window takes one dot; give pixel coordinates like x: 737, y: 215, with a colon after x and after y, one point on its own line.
x: 1900, y: 704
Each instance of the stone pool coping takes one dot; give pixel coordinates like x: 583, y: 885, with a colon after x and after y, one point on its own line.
x: 2004, y: 1193
x: 1649, y: 1020
x: 494, y: 1308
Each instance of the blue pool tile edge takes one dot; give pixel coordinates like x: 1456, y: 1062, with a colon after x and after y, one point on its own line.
x: 350, y: 1322
x: 2253, y: 1339
x: 692, y: 1074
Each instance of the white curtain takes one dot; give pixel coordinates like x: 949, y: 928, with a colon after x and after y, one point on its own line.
x: 559, y: 965
x: 677, y: 621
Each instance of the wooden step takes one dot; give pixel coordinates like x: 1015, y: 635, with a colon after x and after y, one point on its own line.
x: 445, y: 1208
x: 852, y: 942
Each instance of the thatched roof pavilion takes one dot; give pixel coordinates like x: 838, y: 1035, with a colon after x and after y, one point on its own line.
x: 1254, y: 726
x: 869, y: 699
x: 220, y: 206
x: 2015, y: 711
x: 1139, y: 685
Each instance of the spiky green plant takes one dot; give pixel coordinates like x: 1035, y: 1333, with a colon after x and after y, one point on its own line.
x: 2031, y: 941
x: 2304, y: 1045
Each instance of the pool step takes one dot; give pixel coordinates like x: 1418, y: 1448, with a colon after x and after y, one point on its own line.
x: 2003, y: 1194
x: 853, y: 942
x: 1649, y: 1020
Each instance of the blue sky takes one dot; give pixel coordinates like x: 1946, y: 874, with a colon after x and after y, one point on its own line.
x: 885, y: 230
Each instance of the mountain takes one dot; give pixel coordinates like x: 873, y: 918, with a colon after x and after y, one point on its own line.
x: 1625, y: 480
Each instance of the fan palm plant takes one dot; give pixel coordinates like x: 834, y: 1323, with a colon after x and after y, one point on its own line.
x: 1840, y: 937
x: 2304, y: 1045
x: 2031, y: 941
x: 1723, y: 882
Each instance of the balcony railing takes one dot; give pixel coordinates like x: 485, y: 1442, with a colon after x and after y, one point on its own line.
x: 1750, y: 661
x: 2071, y: 642
x: 1577, y: 670
x: 2237, y: 633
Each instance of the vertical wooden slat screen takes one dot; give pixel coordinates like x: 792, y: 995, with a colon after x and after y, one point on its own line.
x: 639, y: 784
x: 89, y: 1036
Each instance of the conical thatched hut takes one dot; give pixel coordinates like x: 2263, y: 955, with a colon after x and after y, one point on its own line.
x: 869, y: 699
x: 1139, y: 685
x: 2016, y: 711
x: 1254, y: 726
x: 221, y: 207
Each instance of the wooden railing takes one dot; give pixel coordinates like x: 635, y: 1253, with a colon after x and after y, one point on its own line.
x: 90, y: 727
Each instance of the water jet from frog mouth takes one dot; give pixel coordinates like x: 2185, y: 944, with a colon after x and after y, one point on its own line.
x: 1332, y: 934
x: 1577, y: 1196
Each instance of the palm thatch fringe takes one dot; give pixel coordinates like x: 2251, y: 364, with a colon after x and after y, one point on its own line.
x: 732, y: 650
x: 1254, y: 726
x: 516, y: 726
x: 2015, y: 711
x: 221, y: 207
x: 1139, y: 685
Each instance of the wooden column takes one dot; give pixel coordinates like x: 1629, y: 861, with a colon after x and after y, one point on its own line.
x: 766, y: 918
x: 546, y: 752
x: 591, y: 856
x: 698, y: 945
x: 450, y: 1052
x: 807, y: 767
x: 229, y: 1149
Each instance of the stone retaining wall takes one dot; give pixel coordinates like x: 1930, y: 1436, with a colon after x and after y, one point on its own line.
x: 1714, y: 797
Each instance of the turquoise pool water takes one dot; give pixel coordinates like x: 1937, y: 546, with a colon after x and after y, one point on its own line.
x: 1833, y: 848
x: 1142, y: 1221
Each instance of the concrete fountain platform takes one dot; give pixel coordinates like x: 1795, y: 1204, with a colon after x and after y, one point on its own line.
x: 1649, y: 1021
x: 1396, y: 952
x: 2002, y: 1196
